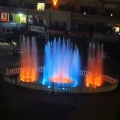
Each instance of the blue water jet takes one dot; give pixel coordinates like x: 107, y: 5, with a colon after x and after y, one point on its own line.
x: 62, y: 64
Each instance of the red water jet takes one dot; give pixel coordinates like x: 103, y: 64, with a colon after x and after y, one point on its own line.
x: 28, y: 63
x: 95, y: 66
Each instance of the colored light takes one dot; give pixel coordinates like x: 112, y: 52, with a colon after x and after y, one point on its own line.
x: 61, y: 80
x: 29, y: 67
x: 95, y: 66
x: 62, y: 64
x: 55, y: 2
x: 20, y: 14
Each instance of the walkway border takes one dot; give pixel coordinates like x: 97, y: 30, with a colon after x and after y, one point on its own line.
x: 113, y: 83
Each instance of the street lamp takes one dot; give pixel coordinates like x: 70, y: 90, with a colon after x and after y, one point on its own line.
x: 111, y: 14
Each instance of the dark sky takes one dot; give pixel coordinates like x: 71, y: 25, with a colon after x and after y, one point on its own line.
x: 4, y: 2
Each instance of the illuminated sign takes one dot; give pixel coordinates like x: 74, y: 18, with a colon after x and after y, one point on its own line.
x: 39, y: 29
x: 55, y: 2
x: 4, y: 16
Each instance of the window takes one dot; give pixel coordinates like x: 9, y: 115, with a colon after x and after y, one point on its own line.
x: 108, y: 29
x: 108, y: 12
x: 23, y: 19
x: 53, y: 24
x: 30, y: 21
x: 92, y: 10
x: 91, y: 27
x: 61, y: 25
x: 117, y: 29
x: 4, y: 16
x: 84, y: 10
x: 69, y: 8
x: 99, y: 27
x: 57, y: 25
x: 40, y: 22
x: 80, y: 26
x: 48, y: 6
x: 41, y: 6
x: 61, y: 7
x: 30, y: 6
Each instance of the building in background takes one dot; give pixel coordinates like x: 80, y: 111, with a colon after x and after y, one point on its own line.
x: 79, y: 19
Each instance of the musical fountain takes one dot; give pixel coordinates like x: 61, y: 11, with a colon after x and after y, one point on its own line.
x: 95, y: 65
x: 28, y: 61
x: 62, y: 69
x: 62, y: 64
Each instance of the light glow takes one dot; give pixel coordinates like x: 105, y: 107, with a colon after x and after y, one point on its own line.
x: 95, y: 66
x: 55, y: 2
x: 60, y: 79
x: 41, y: 6
x: 29, y: 67
x: 20, y: 14
x: 62, y: 64
x: 4, y: 16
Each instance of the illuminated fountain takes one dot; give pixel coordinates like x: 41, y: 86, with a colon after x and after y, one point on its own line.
x: 95, y: 66
x: 28, y: 63
x: 62, y: 64
x: 62, y: 69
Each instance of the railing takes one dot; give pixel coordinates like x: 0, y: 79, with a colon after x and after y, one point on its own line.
x: 41, y: 69
x: 76, y: 15
x: 109, y: 79
x: 106, y: 37
x: 17, y: 70
x: 113, y: 83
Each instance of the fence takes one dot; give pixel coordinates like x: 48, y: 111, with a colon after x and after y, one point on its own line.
x: 113, y: 83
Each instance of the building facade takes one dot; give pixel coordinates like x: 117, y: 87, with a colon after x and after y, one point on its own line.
x: 83, y: 18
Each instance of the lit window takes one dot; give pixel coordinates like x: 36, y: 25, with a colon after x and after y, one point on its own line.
x: 23, y: 19
x: 41, y: 6
x: 4, y: 16
x: 117, y: 29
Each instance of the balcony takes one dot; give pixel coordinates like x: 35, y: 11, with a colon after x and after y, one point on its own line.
x: 96, y: 18
x: 106, y: 37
